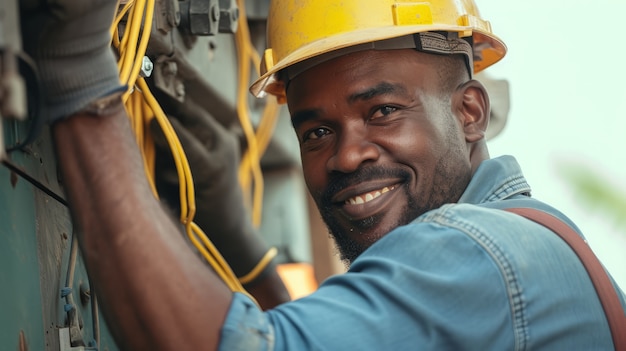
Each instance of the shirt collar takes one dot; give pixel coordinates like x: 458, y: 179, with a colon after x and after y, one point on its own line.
x: 495, y: 179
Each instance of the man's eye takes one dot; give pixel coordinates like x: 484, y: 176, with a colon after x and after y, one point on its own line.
x: 384, y: 111
x: 316, y: 133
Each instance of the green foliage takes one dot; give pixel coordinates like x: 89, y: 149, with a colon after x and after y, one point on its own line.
x: 596, y: 192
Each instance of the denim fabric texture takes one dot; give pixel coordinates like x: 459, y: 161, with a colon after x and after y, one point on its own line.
x: 466, y: 276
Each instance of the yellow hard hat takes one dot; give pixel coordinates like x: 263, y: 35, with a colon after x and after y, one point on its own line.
x: 299, y: 30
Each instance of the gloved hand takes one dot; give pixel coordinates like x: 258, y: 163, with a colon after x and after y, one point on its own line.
x: 70, y: 43
x: 213, y: 155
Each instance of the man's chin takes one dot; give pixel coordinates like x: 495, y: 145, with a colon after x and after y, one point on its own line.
x: 349, y: 248
x: 352, y: 238
x: 352, y: 241
x: 348, y: 252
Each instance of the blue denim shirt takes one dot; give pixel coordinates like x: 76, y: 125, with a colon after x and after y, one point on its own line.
x: 466, y: 276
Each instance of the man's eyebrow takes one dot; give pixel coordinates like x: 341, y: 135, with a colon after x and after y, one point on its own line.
x: 299, y: 117
x: 379, y: 89
x: 383, y: 88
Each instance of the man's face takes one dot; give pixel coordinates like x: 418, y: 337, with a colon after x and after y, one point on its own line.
x: 379, y: 141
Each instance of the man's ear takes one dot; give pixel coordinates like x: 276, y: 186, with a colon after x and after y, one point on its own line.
x: 471, y: 105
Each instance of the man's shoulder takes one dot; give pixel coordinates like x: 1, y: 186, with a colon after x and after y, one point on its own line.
x: 497, y: 231
x: 525, y: 263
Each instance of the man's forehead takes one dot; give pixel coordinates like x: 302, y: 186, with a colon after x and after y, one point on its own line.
x: 367, y: 74
x: 309, y: 101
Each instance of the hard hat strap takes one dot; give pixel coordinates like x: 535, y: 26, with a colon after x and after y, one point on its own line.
x: 446, y: 43
x: 440, y: 43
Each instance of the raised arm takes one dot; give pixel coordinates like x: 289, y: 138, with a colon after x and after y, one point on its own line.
x: 154, y: 293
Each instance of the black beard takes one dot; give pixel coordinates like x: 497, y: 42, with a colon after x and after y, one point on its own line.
x: 349, y: 249
x: 446, y: 189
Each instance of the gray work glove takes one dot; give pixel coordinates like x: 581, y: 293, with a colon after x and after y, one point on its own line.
x: 70, y: 43
x: 213, y: 155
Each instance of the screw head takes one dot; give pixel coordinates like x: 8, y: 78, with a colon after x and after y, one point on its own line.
x: 146, y: 67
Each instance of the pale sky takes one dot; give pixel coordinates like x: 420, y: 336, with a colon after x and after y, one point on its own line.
x: 565, y: 67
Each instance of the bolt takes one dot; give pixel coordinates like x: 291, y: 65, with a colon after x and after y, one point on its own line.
x: 146, y: 67
x: 203, y: 17
x: 229, y: 18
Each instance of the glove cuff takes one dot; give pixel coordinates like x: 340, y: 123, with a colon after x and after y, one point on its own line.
x: 73, y: 82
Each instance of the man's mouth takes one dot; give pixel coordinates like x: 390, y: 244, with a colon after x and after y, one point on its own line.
x: 369, y: 196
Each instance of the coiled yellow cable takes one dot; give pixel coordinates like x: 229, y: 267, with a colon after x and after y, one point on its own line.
x: 143, y: 108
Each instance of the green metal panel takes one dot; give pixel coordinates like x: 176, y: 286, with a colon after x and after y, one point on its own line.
x: 20, y: 291
x: 35, y: 255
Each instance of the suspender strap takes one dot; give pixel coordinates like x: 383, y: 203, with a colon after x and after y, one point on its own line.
x: 605, y: 290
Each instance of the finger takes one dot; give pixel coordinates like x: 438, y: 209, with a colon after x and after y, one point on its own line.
x: 166, y: 167
x: 204, y: 163
x: 200, y: 122
x: 187, y: 139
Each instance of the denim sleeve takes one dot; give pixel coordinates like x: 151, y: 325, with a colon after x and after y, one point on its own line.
x: 458, y: 278
x: 246, y: 327
x: 434, y: 291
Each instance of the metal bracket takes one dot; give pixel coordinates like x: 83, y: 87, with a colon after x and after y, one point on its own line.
x: 168, y: 15
x: 65, y: 343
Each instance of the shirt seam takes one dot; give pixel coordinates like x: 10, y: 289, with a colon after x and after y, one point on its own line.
x: 515, y: 294
x: 510, y: 186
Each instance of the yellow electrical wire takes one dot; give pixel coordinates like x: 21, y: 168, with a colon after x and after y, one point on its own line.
x: 260, y: 266
x: 143, y: 108
x: 250, y: 174
x: 253, y: 167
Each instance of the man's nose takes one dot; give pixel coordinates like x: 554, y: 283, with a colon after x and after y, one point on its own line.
x: 354, y: 148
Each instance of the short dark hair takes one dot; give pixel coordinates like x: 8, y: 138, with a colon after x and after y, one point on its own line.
x: 452, y: 71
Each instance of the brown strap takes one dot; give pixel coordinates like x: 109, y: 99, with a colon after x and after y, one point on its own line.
x: 606, y: 292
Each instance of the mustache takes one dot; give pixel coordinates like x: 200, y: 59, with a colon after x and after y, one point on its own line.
x: 338, y: 181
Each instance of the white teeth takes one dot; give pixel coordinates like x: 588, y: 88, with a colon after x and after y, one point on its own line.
x: 361, y: 199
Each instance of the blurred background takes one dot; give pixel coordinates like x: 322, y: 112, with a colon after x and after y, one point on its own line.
x: 567, y: 119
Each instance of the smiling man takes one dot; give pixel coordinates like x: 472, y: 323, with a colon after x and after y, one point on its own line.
x: 391, y: 127
x: 381, y: 143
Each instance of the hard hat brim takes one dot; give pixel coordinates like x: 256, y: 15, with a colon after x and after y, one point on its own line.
x: 490, y: 49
